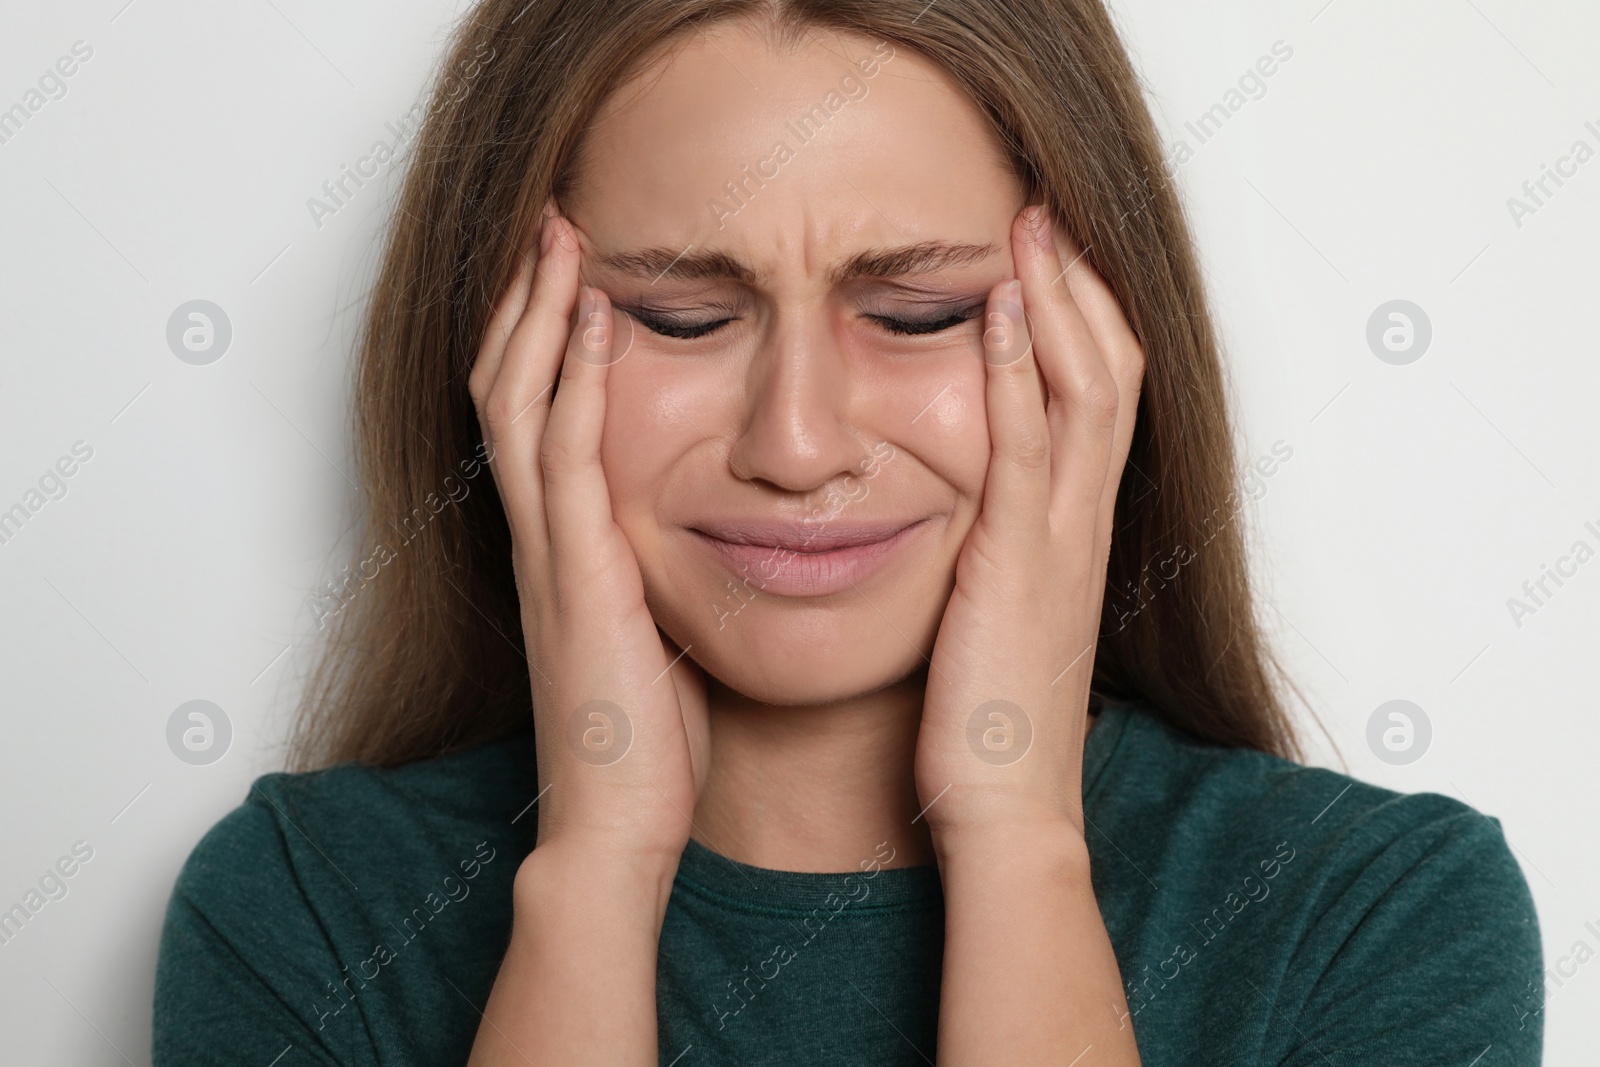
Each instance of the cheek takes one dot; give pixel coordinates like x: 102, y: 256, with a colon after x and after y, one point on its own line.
x: 653, y: 444
x: 938, y: 413
x: 633, y: 443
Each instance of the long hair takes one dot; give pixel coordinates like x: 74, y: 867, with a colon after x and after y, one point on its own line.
x: 425, y: 652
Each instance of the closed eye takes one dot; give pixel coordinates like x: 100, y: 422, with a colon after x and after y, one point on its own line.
x: 683, y: 331
x: 912, y: 327
x: 653, y: 320
x: 689, y: 331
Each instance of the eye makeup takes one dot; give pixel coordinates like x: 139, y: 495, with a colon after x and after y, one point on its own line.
x: 684, y: 325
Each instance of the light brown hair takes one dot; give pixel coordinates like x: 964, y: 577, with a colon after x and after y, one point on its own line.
x: 427, y: 657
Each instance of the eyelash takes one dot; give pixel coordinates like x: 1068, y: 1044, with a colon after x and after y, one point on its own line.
x: 899, y: 327
x: 908, y: 328
x: 690, y: 332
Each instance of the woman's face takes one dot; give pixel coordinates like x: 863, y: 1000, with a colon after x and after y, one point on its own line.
x: 769, y: 209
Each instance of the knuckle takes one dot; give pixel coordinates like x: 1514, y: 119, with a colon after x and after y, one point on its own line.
x: 1030, y: 449
x: 1135, y: 359
x: 557, y: 456
x: 1134, y: 363
x: 500, y: 409
x: 529, y: 566
x: 478, y: 383
x: 1099, y: 400
x: 480, y: 379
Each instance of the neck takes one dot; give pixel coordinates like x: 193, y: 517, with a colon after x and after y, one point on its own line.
x: 814, y: 787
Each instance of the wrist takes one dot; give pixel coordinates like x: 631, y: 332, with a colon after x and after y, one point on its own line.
x: 588, y: 873
x: 1050, y: 840
x: 602, y: 833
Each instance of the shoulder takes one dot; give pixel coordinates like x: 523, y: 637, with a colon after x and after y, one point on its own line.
x: 289, y: 892
x: 324, y: 830
x: 1237, y: 796
x: 1325, y: 890
x: 471, y: 784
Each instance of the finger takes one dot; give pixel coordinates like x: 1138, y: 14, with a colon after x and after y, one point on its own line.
x: 1083, y: 391
x: 1017, y: 488
x: 577, y: 503
x: 1118, y: 343
x: 519, y: 401
x: 490, y: 353
x: 537, y: 345
x: 506, y: 315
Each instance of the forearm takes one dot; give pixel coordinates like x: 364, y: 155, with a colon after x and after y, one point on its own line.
x: 1029, y: 973
x: 578, y: 982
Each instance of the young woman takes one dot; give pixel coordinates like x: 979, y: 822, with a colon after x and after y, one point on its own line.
x: 853, y: 660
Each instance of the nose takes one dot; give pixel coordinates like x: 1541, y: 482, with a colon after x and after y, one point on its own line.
x: 798, y: 431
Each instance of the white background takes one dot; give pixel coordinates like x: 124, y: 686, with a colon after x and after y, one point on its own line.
x: 1377, y: 165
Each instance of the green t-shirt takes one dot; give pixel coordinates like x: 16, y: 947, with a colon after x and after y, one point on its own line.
x: 1261, y: 912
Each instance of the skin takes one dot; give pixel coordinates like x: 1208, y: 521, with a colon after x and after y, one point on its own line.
x: 797, y: 732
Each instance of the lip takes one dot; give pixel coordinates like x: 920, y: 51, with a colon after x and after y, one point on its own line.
x: 804, y: 560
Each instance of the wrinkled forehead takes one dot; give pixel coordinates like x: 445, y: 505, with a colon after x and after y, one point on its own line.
x: 837, y: 142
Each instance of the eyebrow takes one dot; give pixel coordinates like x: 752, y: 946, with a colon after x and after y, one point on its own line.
x: 923, y: 257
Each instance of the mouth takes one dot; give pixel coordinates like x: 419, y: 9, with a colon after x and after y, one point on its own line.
x: 804, y: 559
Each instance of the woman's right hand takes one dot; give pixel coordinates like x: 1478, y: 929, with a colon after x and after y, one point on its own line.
x: 619, y: 712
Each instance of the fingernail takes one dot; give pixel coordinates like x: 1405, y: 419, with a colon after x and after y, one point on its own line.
x: 1000, y: 339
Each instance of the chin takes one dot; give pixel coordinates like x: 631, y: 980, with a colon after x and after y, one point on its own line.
x: 783, y: 655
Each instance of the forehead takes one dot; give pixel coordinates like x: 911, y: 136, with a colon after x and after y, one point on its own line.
x: 795, y: 153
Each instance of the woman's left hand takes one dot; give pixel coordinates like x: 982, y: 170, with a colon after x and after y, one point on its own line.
x: 1005, y: 714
